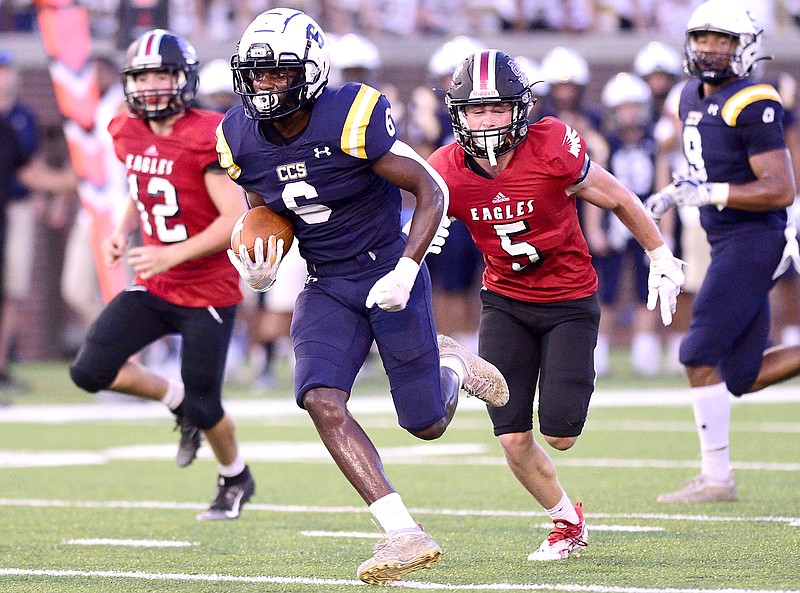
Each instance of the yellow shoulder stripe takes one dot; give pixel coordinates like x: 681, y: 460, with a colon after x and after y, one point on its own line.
x: 225, y: 156
x: 733, y: 106
x: 354, y: 133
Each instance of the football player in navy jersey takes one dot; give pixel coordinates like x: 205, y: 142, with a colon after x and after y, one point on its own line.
x: 185, y: 206
x: 741, y: 178
x: 329, y: 159
x: 514, y: 185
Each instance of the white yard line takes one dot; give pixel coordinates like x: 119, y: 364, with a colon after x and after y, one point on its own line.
x: 360, y: 404
x: 134, y: 543
x: 315, y: 452
x: 275, y: 508
x: 419, y: 585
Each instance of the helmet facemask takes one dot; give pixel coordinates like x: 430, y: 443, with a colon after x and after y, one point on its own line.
x: 156, y: 103
x: 713, y: 66
x: 491, y: 143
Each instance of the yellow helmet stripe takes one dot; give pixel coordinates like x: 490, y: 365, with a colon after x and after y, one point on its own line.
x: 354, y: 133
x: 225, y: 155
x: 733, y: 106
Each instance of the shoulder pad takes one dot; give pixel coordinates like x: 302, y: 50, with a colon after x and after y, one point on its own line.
x: 747, y: 96
x: 354, y: 131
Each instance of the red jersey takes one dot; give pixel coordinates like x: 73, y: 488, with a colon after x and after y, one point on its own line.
x: 523, y: 221
x: 165, y: 179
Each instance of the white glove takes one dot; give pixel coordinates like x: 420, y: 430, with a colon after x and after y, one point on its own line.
x: 658, y: 204
x: 259, y: 274
x: 791, y: 253
x: 664, y: 282
x: 686, y: 191
x: 392, y: 292
x: 438, y: 239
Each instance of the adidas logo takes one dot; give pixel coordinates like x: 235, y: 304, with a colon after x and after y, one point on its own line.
x: 500, y: 197
x: 151, y: 151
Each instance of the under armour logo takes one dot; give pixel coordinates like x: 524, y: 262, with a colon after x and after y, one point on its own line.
x: 713, y: 109
x: 320, y: 151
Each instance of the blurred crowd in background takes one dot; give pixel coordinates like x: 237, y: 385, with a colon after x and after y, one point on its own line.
x: 631, y: 129
x: 223, y: 20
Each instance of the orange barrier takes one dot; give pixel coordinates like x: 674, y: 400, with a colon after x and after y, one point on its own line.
x: 67, y: 40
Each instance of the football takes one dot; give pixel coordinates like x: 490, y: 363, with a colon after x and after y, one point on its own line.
x: 261, y: 222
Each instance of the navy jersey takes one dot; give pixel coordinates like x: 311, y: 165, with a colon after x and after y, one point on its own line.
x: 322, y: 179
x: 720, y: 133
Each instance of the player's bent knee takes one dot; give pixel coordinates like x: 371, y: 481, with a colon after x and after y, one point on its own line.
x: 203, y: 417
x: 86, y: 380
x: 432, y: 432
x: 328, y: 406
x: 560, y: 443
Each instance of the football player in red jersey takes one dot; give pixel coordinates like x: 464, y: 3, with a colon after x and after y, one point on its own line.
x: 185, y: 206
x: 514, y: 185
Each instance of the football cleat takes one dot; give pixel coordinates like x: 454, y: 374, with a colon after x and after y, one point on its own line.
x: 399, y: 554
x: 483, y: 380
x: 703, y: 489
x: 564, y: 540
x: 191, y: 439
x: 230, y: 500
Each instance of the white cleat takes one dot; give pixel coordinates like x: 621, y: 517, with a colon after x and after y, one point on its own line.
x: 703, y: 489
x: 398, y: 555
x: 483, y: 379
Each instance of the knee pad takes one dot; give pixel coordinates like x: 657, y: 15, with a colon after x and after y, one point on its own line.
x: 86, y: 380
x: 205, y: 415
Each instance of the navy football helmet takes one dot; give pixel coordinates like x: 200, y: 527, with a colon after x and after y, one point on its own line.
x: 160, y: 50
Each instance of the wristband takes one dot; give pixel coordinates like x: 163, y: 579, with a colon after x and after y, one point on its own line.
x: 407, y: 269
x: 718, y: 194
x: 661, y: 253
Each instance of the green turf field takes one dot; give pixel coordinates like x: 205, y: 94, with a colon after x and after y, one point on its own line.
x: 98, y: 505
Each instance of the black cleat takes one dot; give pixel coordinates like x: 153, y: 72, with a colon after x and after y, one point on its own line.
x: 230, y: 499
x: 191, y: 439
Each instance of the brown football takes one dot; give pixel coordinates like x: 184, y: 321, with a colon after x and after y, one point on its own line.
x: 261, y: 222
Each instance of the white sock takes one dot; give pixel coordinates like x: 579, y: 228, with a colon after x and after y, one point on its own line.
x: 712, y: 416
x: 564, y: 510
x: 602, y: 356
x: 646, y: 354
x: 174, y: 395
x: 234, y: 469
x: 451, y: 362
x: 391, y: 514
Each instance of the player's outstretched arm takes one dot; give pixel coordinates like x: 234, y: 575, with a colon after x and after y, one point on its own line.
x: 403, y: 167
x: 666, y: 277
